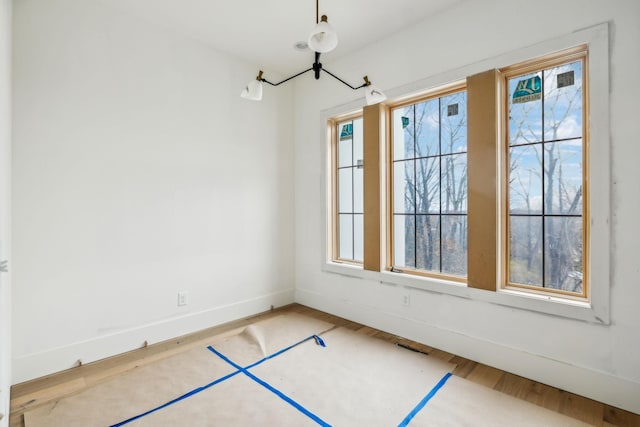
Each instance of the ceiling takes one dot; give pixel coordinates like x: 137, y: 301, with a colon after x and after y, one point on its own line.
x: 265, y: 32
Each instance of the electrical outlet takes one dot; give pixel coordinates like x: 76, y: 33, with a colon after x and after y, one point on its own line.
x: 406, y: 300
x: 183, y: 298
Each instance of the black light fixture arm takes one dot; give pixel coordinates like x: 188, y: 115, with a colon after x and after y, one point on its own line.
x: 365, y: 84
x: 316, y: 67
x: 285, y: 80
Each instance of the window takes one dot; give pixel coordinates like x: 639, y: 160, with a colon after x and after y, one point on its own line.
x: 348, y: 183
x: 546, y: 178
x: 499, y: 183
x: 428, y: 190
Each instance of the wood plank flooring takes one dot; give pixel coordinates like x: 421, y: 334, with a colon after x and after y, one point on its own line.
x: 30, y: 395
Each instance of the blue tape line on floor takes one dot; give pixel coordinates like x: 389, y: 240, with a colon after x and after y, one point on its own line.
x: 219, y: 380
x: 272, y: 389
x: 424, y: 401
x: 178, y: 399
x: 278, y: 353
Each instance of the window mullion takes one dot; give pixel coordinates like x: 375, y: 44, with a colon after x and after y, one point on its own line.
x: 353, y: 195
x: 440, y: 183
x: 373, y: 134
x: 544, y: 190
x: 415, y: 189
x: 483, y: 207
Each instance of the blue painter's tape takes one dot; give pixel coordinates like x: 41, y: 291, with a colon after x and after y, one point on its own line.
x: 225, y: 358
x: 424, y: 401
x: 269, y: 387
x: 178, y: 399
x: 289, y: 400
x: 319, y: 341
x: 211, y: 384
x: 278, y: 353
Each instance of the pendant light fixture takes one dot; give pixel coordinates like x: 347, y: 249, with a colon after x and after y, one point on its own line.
x: 322, y: 39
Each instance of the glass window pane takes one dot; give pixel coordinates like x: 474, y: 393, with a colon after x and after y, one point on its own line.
x: 525, y: 180
x: 563, y: 253
x: 563, y: 177
x: 358, y: 238
x: 546, y: 178
x: 345, y: 194
x: 345, y: 236
x: 454, y: 123
x: 403, y: 130
x: 357, y: 141
x: 404, y: 239
x: 358, y: 190
x: 403, y: 187
x: 563, y: 102
x: 454, y: 244
x: 422, y: 191
x: 348, y: 150
x: 345, y: 145
x: 454, y: 183
x: 428, y: 242
x: 428, y: 128
x: 525, y: 118
x: 525, y: 250
x: 428, y: 185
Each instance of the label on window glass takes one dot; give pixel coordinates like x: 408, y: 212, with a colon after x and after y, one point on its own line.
x: 565, y: 79
x: 405, y: 122
x: 452, y: 110
x: 528, y: 90
x: 347, y: 132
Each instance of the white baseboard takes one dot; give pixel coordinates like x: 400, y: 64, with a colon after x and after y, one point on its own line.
x: 58, y: 359
x: 600, y: 386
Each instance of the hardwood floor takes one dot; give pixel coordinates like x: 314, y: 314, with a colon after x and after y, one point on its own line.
x: 30, y: 395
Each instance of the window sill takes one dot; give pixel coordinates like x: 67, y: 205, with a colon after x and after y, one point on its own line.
x: 522, y: 300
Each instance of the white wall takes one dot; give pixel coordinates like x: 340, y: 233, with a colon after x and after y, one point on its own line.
x: 138, y: 172
x: 599, y: 361
x: 5, y: 211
